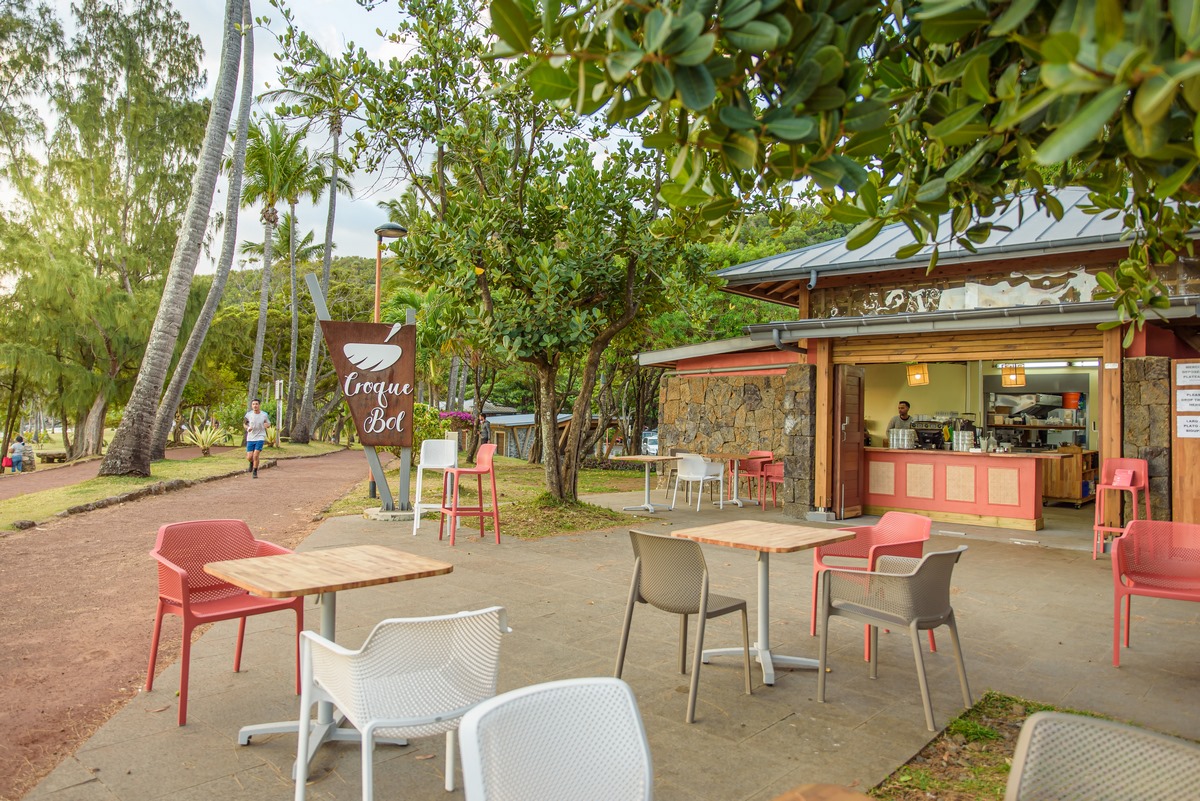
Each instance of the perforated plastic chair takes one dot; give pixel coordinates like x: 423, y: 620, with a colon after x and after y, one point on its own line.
x: 450, y: 486
x: 1139, y: 483
x: 413, y: 677
x: 1156, y: 559
x: 773, y: 478
x: 436, y: 454
x: 1061, y: 757
x: 903, y: 592
x: 896, y: 534
x: 751, y: 470
x: 577, y: 739
x: 184, y: 589
x: 670, y: 574
x: 696, y: 469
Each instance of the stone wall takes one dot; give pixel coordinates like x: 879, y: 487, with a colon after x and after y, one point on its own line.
x: 741, y: 413
x: 1146, y: 420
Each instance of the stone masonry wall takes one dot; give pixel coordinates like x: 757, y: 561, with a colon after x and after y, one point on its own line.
x: 741, y: 413
x: 1146, y: 420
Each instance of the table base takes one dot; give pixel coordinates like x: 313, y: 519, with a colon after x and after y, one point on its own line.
x: 321, y: 733
x: 768, y: 660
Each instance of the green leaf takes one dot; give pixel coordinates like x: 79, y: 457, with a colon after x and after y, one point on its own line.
x: 1110, y: 23
x: 741, y: 150
x: 853, y: 173
x: 826, y: 173
x: 1083, y: 129
x: 833, y: 63
x: 950, y: 28
x: 975, y: 79
x: 697, y: 52
x: 1153, y: 98
x: 684, y: 30
x: 754, y: 37
x: 661, y: 81
x: 551, y: 83
x: 847, y: 214
x: 956, y: 120
x: 1187, y: 22
x: 1012, y: 17
x: 696, y: 88
x: 876, y: 142
x: 863, y: 234
x: 737, y: 118
x: 509, y: 23
x: 910, y: 250
x: 1006, y: 87
x: 717, y: 209
x: 867, y: 115
x: 953, y: 70
x: 737, y: 13
x: 550, y: 11
x: 1060, y: 48
x: 1171, y: 184
x: 792, y: 129
x: 655, y: 29
x: 967, y: 160
x: 931, y: 190
x: 1144, y: 142
x: 659, y: 141
x: 621, y: 62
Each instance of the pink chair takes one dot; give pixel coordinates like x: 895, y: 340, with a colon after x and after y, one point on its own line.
x: 1134, y: 478
x: 772, y: 477
x: 483, y: 465
x: 184, y: 589
x: 751, y: 469
x: 896, y: 534
x: 1157, y: 559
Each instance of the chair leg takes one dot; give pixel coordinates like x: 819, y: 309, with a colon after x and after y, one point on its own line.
x: 721, y: 492
x: 299, y: 628
x: 451, y: 747
x: 823, y: 648
x: 746, y: 648
x: 683, y: 644
x: 915, y: 636
x: 479, y: 494
x: 1128, y: 616
x: 185, y: 660
x: 958, y: 658
x: 873, y: 650
x: 454, y: 491
x: 695, y: 685
x: 237, y: 651
x: 812, y: 614
x: 1116, y: 630
x: 699, y: 492
x: 495, y: 508
x: 675, y: 494
x: 158, y: 616
x: 633, y: 594
x: 305, y: 727
x: 417, y: 502
x: 368, y: 764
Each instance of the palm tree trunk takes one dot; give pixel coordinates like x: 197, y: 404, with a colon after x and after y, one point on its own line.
x: 286, y: 423
x: 183, y: 370
x: 129, y: 453
x: 264, y: 295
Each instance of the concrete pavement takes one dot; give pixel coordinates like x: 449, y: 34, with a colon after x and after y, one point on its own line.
x: 1035, y: 622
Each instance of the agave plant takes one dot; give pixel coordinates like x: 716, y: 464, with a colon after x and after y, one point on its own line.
x: 206, y: 437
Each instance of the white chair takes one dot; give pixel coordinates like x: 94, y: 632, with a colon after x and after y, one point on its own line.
x: 436, y: 454
x: 577, y: 739
x: 413, y: 677
x: 698, y: 469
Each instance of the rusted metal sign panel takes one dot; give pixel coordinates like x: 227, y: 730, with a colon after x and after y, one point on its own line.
x: 376, y: 367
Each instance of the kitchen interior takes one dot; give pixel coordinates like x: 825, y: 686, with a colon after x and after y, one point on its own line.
x: 1037, y: 407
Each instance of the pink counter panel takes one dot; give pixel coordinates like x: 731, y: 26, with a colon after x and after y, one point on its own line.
x: 983, y: 489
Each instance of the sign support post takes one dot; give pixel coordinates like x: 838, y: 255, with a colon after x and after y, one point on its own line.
x: 410, y: 318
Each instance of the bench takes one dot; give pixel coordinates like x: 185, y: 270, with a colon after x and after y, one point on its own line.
x: 1156, y: 559
x: 52, y: 456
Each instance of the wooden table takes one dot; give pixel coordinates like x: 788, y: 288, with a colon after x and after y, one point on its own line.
x: 646, y: 460
x: 324, y: 573
x: 822, y: 792
x: 734, y: 460
x: 764, y: 539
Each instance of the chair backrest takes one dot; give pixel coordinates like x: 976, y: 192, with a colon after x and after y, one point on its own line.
x: 578, y: 739
x: 483, y: 458
x: 928, y: 588
x: 692, y: 465
x: 452, y: 661
x: 439, y: 453
x: 192, y: 544
x: 1168, y: 550
x: 1139, y: 467
x: 773, y: 471
x: 901, y: 527
x: 1073, y: 756
x: 755, y: 461
x: 671, y: 572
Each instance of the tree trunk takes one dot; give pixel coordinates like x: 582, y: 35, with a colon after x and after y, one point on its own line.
x: 93, y: 428
x: 264, y: 296
x: 548, y: 426
x: 285, y: 425
x: 187, y: 360
x: 130, y: 451
x: 452, y: 402
x: 305, y: 424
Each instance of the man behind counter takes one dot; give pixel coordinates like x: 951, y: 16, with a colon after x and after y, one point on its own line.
x: 901, y: 420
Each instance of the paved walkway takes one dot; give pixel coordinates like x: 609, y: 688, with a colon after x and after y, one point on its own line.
x: 1035, y: 621
x: 52, y: 476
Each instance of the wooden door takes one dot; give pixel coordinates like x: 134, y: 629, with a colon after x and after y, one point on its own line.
x: 848, y: 457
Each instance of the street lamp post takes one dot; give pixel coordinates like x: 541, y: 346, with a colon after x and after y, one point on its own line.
x: 388, y: 230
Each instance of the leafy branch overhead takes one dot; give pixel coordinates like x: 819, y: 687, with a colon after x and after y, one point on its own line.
x: 897, y: 111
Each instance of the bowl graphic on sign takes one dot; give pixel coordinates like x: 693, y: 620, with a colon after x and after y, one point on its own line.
x: 373, y: 357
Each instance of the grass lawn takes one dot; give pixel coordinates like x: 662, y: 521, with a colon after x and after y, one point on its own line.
x: 526, y: 511
x: 44, y: 505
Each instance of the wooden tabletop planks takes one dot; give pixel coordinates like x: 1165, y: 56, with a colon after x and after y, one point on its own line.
x: 753, y: 535
x: 644, y: 458
x: 329, y: 570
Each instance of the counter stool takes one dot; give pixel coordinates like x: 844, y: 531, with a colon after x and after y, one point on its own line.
x: 1121, y: 475
x: 483, y: 465
x: 436, y: 454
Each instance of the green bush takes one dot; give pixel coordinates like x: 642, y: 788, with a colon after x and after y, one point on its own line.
x: 206, y: 437
x: 426, y: 424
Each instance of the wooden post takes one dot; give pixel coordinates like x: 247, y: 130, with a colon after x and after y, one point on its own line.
x: 1110, y: 411
x: 823, y: 440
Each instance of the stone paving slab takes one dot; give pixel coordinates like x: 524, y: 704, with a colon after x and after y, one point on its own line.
x: 1035, y: 622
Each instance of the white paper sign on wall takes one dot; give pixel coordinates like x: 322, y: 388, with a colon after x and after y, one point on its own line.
x: 1187, y: 374
x: 1187, y: 427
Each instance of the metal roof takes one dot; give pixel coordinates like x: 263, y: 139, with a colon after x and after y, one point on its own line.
x: 519, y: 420
x: 1034, y: 231
x: 669, y: 356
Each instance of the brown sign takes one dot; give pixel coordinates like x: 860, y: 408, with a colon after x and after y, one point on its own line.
x: 376, y: 366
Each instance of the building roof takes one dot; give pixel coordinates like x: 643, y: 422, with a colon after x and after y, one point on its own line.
x: 1034, y: 232
x: 669, y: 357
x: 519, y: 420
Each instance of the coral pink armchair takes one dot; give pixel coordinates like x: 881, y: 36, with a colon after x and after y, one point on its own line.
x: 186, y: 590
x: 452, y: 476
x: 750, y: 470
x: 772, y: 476
x: 896, y: 534
x: 1157, y: 559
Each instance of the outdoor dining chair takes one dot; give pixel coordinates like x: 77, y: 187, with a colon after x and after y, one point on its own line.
x: 436, y: 454
x: 772, y: 476
x: 902, y: 592
x: 413, y: 677
x: 577, y: 739
x: 1119, y: 476
x: 696, y: 469
x: 750, y: 470
x: 670, y: 574
x: 1154, y: 559
x: 1061, y: 756
x: 184, y: 589
x: 484, y: 466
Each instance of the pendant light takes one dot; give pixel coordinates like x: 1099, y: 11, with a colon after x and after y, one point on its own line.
x: 918, y: 374
x: 1012, y: 375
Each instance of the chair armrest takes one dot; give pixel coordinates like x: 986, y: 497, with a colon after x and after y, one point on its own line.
x: 884, y: 591
x: 903, y: 548
x: 897, y: 565
x: 264, y: 548
x: 172, y: 579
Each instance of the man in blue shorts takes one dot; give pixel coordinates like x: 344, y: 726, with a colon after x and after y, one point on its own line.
x: 256, y: 424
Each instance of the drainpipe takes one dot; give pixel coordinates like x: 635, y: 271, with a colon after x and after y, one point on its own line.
x: 788, y: 346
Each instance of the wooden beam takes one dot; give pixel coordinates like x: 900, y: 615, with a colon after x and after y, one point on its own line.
x: 823, y: 442
x: 1110, y: 410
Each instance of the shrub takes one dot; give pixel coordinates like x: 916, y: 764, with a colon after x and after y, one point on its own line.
x: 206, y: 437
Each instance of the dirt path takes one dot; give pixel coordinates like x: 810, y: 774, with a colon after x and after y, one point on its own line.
x: 77, y: 601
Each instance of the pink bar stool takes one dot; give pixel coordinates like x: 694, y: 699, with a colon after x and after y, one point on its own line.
x: 1121, y: 475
x: 483, y: 465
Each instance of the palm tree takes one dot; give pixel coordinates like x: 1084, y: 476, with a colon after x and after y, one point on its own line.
x: 271, y: 154
x: 129, y: 453
x: 234, y: 166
